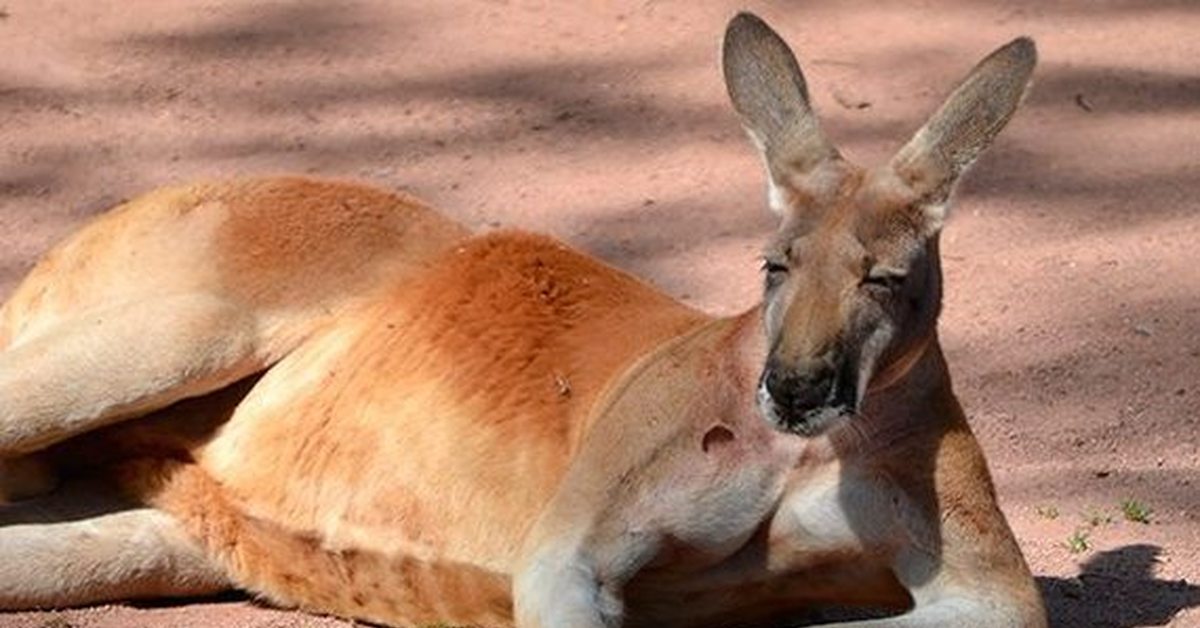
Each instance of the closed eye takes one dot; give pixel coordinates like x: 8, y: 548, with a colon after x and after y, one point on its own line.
x: 885, y: 278
x: 772, y: 267
x: 776, y: 273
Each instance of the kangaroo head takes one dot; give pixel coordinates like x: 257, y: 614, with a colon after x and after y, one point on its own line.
x: 853, y: 278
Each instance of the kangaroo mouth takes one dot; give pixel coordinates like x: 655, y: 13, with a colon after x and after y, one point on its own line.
x: 808, y: 422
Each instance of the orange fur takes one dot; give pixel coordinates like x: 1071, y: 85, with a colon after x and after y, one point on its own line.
x: 296, y: 569
x: 264, y: 244
x: 403, y: 410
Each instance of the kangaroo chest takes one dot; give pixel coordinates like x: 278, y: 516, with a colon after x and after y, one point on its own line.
x: 826, y: 548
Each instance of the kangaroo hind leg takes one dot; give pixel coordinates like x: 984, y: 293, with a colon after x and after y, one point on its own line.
x: 105, y: 366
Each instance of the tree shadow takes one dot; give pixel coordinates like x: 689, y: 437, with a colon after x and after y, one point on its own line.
x: 288, y: 30
x: 622, y: 234
x: 1113, y: 89
x: 528, y: 103
x: 1117, y: 589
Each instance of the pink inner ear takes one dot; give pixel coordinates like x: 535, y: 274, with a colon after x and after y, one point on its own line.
x: 715, y: 436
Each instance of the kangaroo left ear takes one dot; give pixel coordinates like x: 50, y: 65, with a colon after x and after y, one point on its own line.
x: 966, y: 123
x: 768, y: 92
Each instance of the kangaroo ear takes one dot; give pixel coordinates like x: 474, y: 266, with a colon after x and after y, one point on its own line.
x: 769, y: 94
x: 933, y: 160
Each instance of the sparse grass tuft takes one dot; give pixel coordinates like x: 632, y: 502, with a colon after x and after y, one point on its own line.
x: 1136, y: 511
x: 1079, y: 541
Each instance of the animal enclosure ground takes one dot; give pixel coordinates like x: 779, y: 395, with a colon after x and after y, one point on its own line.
x: 1072, y: 318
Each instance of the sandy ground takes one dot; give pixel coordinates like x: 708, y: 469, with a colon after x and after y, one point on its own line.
x: 1072, y: 320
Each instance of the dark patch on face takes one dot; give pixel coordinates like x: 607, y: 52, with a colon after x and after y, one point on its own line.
x: 816, y: 422
x: 807, y: 404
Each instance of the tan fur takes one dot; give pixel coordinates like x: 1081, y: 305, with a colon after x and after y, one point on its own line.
x: 263, y: 244
x: 187, y: 289
x: 497, y: 430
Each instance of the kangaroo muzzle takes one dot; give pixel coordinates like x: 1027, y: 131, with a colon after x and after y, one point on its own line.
x: 806, y: 401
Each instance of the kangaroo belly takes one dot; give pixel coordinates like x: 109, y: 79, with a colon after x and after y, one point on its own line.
x: 428, y: 430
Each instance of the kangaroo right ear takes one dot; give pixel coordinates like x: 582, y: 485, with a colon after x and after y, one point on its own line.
x: 769, y: 94
x: 932, y: 162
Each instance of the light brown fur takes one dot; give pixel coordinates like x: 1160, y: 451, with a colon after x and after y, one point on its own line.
x: 337, y: 399
x: 212, y: 282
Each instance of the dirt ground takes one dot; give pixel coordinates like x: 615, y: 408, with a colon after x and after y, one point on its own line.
x: 1072, y: 321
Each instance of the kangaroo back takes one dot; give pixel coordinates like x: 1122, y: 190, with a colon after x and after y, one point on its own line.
x: 285, y: 249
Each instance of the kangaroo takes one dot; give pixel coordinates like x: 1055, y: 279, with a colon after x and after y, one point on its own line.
x: 337, y: 399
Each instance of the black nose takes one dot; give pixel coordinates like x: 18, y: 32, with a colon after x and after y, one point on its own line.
x: 799, y: 392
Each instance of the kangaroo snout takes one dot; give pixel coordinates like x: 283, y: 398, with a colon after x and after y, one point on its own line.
x: 804, y: 400
x: 799, y: 391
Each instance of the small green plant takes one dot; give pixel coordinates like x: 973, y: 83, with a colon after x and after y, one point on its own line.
x: 1136, y: 511
x: 1048, y: 512
x: 1079, y: 541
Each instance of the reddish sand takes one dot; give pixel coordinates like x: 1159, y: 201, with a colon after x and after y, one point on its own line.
x: 1072, y: 319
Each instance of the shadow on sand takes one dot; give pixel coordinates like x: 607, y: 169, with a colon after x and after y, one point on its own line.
x: 1117, y: 589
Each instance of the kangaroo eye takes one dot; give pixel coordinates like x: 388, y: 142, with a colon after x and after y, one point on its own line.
x: 772, y: 267
x: 884, y: 278
x: 776, y: 273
